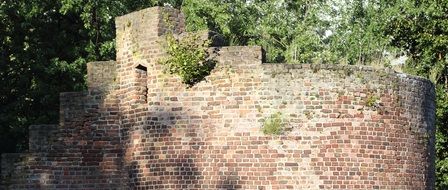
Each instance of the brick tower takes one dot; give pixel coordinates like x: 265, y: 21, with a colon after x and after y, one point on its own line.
x: 342, y: 127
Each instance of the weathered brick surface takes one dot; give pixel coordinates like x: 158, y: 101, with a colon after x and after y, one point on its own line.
x: 40, y: 137
x: 346, y: 127
x: 101, y: 75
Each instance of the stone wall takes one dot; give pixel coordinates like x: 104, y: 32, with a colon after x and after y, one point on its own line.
x: 344, y: 127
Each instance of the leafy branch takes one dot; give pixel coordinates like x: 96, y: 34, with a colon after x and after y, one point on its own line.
x: 188, y: 58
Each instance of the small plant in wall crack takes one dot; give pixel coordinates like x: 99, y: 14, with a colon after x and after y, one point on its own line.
x: 273, y: 125
x: 372, y: 101
x: 188, y: 58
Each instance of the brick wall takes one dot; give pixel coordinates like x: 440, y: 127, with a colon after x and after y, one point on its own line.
x: 344, y: 127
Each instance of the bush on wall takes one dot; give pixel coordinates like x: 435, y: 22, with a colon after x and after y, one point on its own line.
x: 187, y: 57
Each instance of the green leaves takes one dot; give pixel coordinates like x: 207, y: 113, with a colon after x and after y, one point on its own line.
x: 273, y: 125
x: 188, y: 58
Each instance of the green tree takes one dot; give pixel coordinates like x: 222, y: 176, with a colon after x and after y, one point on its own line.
x: 278, y: 26
x: 40, y: 54
x: 358, y: 33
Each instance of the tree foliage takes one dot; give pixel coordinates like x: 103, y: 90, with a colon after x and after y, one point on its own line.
x: 38, y: 45
x: 188, y: 57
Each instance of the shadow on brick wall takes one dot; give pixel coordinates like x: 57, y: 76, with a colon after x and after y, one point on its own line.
x: 157, y: 158
x: 230, y: 181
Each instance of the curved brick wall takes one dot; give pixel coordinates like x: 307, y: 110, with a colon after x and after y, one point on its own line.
x: 345, y: 127
x: 210, y: 136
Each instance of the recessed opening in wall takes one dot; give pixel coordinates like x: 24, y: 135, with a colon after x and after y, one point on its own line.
x: 142, y: 68
x: 263, y: 55
x: 141, y: 83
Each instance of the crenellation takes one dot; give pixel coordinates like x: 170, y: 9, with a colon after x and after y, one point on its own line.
x: 101, y: 75
x: 137, y: 127
x: 40, y: 137
x: 71, y: 107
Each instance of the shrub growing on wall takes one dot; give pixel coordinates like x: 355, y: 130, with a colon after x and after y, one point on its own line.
x: 273, y: 125
x: 188, y: 58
